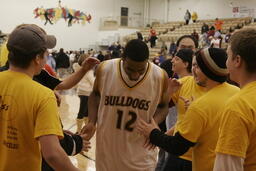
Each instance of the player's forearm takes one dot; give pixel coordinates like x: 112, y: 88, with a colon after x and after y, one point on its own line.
x: 54, y: 155
x: 175, y: 145
x: 93, y: 103
x: 60, y: 161
x: 72, y: 80
x: 161, y: 113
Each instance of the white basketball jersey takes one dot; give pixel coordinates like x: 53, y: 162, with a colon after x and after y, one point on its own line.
x: 118, y: 146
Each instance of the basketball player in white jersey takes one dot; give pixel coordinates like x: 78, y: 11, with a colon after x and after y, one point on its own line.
x: 124, y: 90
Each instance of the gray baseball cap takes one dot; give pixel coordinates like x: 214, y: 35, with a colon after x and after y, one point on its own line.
x: 30, y: 38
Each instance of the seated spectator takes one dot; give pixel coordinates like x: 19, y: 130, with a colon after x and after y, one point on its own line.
x: 218, y: 24
x: 205, y: 28
x: 173, y: 48
x: 195, y: 35
x: 100, y: 56
x: 139, y: 35
x: 216, y: 42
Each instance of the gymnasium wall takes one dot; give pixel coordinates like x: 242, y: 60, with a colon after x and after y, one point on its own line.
x: 15, y: 12
x: 206, y: 9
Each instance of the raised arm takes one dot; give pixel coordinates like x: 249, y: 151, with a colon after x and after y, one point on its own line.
x: 74, y: 78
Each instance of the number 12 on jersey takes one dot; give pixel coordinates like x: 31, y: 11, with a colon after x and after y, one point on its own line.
x: 127, y: 123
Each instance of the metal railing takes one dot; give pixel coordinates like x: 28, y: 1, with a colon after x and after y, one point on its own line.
x: 123, y: 21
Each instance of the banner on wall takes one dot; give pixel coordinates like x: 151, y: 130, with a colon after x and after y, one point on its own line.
x: 52, y: 15
x: 243, y: 11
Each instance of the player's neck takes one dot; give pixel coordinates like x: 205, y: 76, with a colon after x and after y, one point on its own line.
x: 184, y: 74
x: 211, y: 84
x: 27, y: 71
x: 246, y: 78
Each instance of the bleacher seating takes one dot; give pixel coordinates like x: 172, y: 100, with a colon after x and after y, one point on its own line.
x: 171, y: 31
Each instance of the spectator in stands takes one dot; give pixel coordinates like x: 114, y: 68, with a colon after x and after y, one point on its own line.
x: 62, y: 63
x: 187, y: 17
x: 173, y: 48
x: 227, y: 36
x: 239, y: 26
x: 195, y: 35
x: 107, y: 56
x: 218, y: 24
x: 118, y: 46
x: 72, y: 57
x: 205, y: 28
x: 211, y: 31
x: 216, y: 42
x: 217, y: 33
x: 51, y: 61
x: 111, y: 47
x: 158, y: 59
x: 210, y: 35
x: 139, y: 35
x: 3, y: 54
x: 3, y: 37
x: 164, y: 45
x: 100, y: 56
x: 84, y: 89
x: 194, y: 17
x: 152, y: 37
x: 115, y: 50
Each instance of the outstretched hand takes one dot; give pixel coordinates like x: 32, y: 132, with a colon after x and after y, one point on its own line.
x: 88, y: 131
x: 89, y: 63
x: 145, y: 128
x: 174, y: 85
x: 86, y: 143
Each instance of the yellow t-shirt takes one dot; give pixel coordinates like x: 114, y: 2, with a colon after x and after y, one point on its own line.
x: 201, y: 124
x: 3, y: 54
x: 28, y: 110
x: 188, y: 90
x: 237, y: 134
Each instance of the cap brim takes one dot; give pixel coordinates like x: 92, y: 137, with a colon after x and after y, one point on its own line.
x: 51, y: 41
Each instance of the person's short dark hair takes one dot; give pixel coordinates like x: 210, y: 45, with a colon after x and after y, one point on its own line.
x: 20, y: 60
x: 243, y: 43
x: 186, y: 55
x: 26, y: 42
x: 187, y: 36
x: 136, y: 50
x: 61, y: 50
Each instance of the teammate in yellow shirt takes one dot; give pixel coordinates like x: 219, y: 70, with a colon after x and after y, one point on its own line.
x: 3, y: 54
x: 29, y: 121
x: 199, y: 128
x: 236, y: 147
x: 180, y: 65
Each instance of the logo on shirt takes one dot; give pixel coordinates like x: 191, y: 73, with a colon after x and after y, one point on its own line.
x: 7, y: 112
x: 124, y: 101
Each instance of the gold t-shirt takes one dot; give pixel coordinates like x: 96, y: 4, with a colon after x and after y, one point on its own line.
x: 188, y: 90
x: 237, y: 134
x: 201, y: 123
x: 28, y: 110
